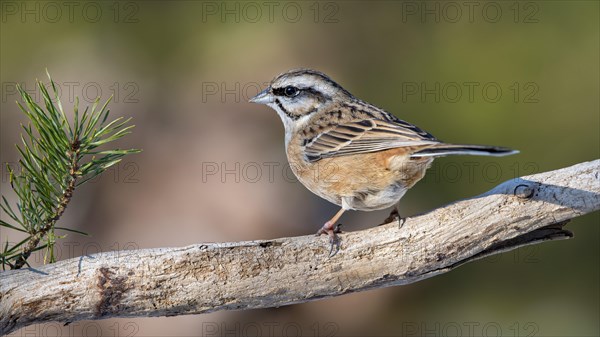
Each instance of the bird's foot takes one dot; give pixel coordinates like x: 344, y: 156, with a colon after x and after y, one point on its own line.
x: 334, y: 240
x: 394, y: 215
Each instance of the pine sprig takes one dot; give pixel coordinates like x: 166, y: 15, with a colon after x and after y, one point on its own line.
x: 56, y: 157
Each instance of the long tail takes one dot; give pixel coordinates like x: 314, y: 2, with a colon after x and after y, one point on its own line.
x: 442, y: 149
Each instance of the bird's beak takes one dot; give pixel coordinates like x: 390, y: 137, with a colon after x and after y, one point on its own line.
x: 263, y: 97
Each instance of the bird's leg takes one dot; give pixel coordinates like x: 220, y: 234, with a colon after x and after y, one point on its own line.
x: 393, y: 216
x: 331, y: 229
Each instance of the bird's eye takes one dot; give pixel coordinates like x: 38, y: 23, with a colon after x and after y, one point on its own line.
x: 290, y: 91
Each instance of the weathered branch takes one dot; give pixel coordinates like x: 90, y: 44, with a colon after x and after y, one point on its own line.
x: 257, y: 274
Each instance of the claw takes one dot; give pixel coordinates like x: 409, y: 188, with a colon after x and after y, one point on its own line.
x: 401, y: 221
x: 334, y: 239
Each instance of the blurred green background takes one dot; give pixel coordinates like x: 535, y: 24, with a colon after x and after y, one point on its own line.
x: 517, y: 74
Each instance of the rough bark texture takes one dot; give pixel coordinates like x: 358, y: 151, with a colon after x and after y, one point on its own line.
x: 257, y: 274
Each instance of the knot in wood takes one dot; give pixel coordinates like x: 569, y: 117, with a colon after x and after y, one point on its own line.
x: 523, y: 191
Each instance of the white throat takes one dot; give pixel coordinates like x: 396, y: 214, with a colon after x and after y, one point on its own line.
x: 289, y: 124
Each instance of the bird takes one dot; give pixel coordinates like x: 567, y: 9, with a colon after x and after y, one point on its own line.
x: 350, y: 152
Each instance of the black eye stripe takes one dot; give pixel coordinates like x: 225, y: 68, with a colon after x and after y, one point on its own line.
x: 291, y: 91
x: 314, y: 92
x: 281, y: 91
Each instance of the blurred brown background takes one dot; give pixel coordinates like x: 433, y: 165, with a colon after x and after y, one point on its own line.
x: 517, y: 74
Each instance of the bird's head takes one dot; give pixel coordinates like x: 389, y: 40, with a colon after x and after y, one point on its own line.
x: 298, y: 94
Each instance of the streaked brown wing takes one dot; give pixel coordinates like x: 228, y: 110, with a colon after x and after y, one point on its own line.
x: 369, y: 135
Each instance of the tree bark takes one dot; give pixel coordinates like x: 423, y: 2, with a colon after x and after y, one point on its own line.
x: 259, y: 274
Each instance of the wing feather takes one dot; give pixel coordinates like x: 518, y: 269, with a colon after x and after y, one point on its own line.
x: 364, y: 136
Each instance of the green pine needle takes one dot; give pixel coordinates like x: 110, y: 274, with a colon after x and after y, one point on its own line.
x: 57, y: 155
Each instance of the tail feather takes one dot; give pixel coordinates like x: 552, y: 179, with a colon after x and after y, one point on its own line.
x: 440, y: 150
